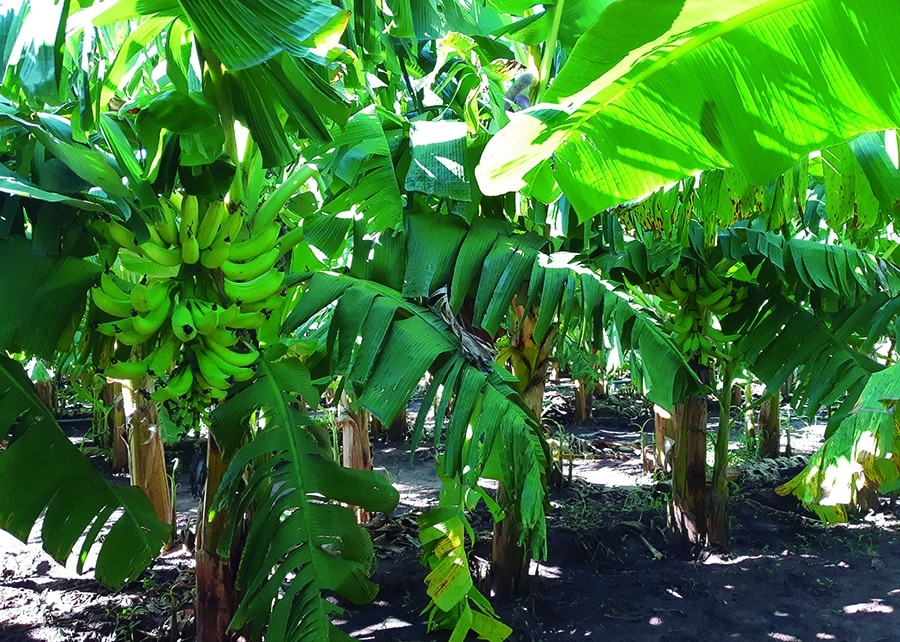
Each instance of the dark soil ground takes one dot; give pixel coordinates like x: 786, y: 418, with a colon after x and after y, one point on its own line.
x: 786, y: 577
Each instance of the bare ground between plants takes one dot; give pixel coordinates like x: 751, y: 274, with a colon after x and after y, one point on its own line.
x: 787, y: 577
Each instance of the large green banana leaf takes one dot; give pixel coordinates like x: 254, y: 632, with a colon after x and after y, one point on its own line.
x: 299, y: 533
x: 270, y: 51
x: 52, y: 289
x: 656, y: 91
x: 43, y: 473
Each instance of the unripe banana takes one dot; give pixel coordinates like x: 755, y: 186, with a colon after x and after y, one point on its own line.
x: 152, y: 320
x: 115, y: 288
x: 223, y: 337
x: 723, y: 305
x: 177, y: 386
x: 165, y: 256
x: 248, y: 320
x: 256, y: 244
x: 183, y: 322
x: 251, y: 269
x: 228, y: 314
x: 287, y: 242
x: 114, y: 307
x: 126, y: 370
x: 123, y: 331
x: 121, y: 235
x: 163, y: 358
x: 237, y: 359
x: 710, y: 299
x: 269, y: 303
x: 190, y: 216
x: 205, y: 315
x: 683, y: 322
x: 190, y: 250
x: 709, y: 280
x: 232, y: 371
x: 691, y: 280
x: 146, y: 296
x: 167, y: 225
x: 680, y: 293
x: 212, y: 374
x: 256, y: 289
x: 210, y: 223
x: 216, y: 254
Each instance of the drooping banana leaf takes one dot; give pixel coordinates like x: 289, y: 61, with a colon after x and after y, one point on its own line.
x: 266, y: 48
x: 783, y: 337
x: 52, y: 289
x: 653, y: 92
x: 43, y: 473
x: 863, y: 453
x: 848, y: 273
x: 301, y: 540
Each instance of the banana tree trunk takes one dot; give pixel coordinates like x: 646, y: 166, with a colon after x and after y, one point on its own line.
x: 769, y: 428
x: 584, y: 400
x: 510, y: 560
x: 687, y: 508
x: 664, y: 437
x: 115, y: 423
x: 217, y: 598
x: 717, y: 531
x: 146, y: 458
x: 357, y: 451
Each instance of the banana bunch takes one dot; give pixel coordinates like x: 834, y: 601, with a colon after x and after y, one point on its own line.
x: 190, y: 331
x: 696, y: 301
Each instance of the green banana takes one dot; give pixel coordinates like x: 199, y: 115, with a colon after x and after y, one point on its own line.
x: 121, y: 235
x: 212, y: 374
x: 146, y: 296
x: 123, y: 331
x: 190, y: 217
x: 256, y: 289
x: 183, y: 322
x: 113, y: 287
x: 669, y: 306
x: 232, y: 357
x: 177, y: 386
x: 660, y: 288
x: 255, y: 245
x: 287, y: 242
x: 683, y: 322
x: 680, y: 293
x: 205, y: 315
x: 247, y: 320
x: 163, y: 357
x: 165, y: 256
x: 215, y: 255
x: 251, y: 269
x: 223, y: 337
x: 167, y: 225
x: 227, y: 314
x: 190, y: 250
x: 152, y: 320
x: 723, y: 305
x: 270, y: 303
x: 232, y: 371
x: 691, y: 280
x: 210, y: 223
x: 114, y: 307
x: 709, y: 299
x: 126, y: 370
x: 711, y: 280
